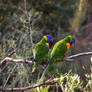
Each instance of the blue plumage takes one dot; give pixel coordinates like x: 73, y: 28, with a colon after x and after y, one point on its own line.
x: 49, y: 38
x: 73, y: 41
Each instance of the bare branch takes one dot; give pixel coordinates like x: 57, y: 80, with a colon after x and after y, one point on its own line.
x: 8, y: 59
x: 70, y: 58
x: 2, y: 62
x: 48, y: 82
x: 9, y: 75
x: 9, y: 55
x: 80, y: 54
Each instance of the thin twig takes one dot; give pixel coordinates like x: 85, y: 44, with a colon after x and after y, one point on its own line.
x: 9, y: 75
x: 11, y: 53
x: 30, y: 33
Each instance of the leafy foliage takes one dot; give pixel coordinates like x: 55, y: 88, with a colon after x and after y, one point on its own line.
x: 69, y: 83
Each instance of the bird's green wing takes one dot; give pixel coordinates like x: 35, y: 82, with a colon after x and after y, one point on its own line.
x: 40, y: 54
x: 58, y: 51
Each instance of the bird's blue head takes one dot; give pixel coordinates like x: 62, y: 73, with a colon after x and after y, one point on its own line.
x: 73, y: 41
x: 50, y: 38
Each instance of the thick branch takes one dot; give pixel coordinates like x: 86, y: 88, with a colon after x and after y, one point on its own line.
x: 48, y: 82
x: 8, y: 59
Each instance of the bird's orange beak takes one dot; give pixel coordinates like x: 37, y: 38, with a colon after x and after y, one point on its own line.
x: 52, y: 40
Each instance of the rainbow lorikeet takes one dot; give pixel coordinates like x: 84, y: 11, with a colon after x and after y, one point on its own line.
x: 58, y: 52
x: 41, y: 50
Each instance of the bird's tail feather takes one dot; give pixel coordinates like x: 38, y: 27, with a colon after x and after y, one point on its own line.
x: 36, y: 64
x: 45, y: 71
x: 34, y: 68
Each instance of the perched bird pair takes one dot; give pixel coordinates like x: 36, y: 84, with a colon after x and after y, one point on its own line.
x: 58, y: 52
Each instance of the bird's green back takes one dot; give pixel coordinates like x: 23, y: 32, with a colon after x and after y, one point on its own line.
x: 60, y: 48
x: 41, y: 50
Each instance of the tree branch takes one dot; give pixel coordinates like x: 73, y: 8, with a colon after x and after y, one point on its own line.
x: 69, y: 58
x: 48, y: 82
x: 80, y: 54
x: 8, y: 59
x: 9, y: 55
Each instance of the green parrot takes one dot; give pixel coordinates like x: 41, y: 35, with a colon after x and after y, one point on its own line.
x: 58, y: 52
x: 41, y: 50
